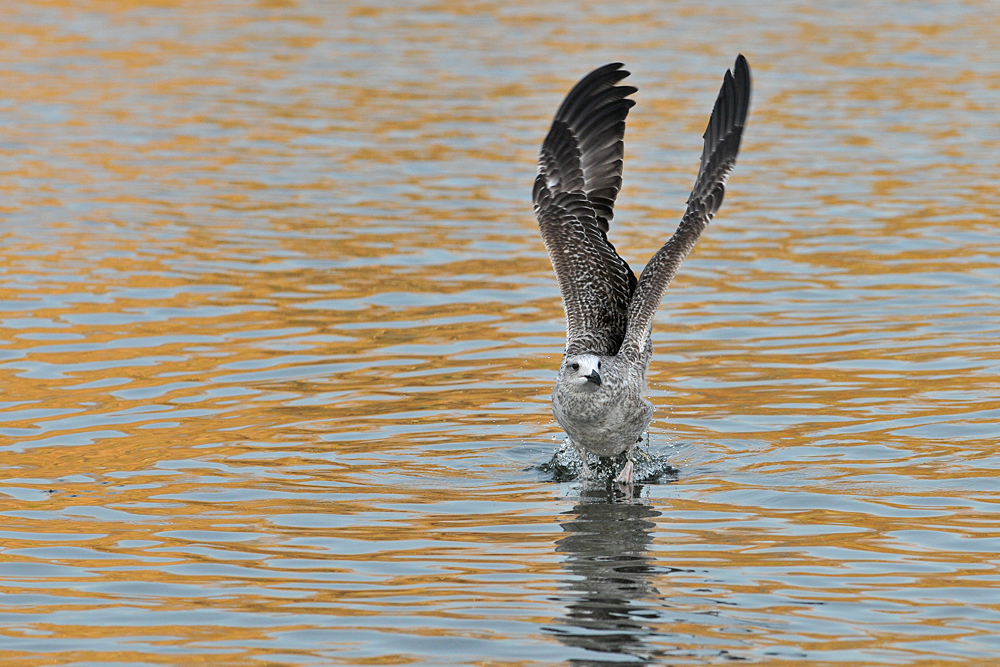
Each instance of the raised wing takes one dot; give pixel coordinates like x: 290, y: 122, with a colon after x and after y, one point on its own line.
x: 579, y: 176
x: 722, y: 144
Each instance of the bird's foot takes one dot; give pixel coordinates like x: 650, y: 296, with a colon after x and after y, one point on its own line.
x: 627, y: 474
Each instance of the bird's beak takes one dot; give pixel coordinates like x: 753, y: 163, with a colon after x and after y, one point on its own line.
x: 594, y: 377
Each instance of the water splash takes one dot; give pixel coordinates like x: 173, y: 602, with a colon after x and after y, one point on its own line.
x: 650, y: 468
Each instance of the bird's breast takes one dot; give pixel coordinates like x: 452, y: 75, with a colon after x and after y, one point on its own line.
x: 603, y: 423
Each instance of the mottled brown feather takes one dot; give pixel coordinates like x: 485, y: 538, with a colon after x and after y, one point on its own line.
x: 579, y: 177
x: 722, y: 144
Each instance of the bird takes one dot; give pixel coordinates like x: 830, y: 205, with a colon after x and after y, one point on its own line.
x: 599, y: 397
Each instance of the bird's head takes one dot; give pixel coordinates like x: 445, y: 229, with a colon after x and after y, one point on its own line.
x: 581, y: 372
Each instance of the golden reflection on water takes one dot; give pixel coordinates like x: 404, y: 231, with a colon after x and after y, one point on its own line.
x: 279, y: 335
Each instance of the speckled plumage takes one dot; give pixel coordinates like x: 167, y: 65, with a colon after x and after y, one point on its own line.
x: 599, y: 396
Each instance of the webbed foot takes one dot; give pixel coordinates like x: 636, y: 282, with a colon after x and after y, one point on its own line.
x: 628, y: 472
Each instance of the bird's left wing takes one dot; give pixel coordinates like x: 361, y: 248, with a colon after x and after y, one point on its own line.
x: 722, y: 144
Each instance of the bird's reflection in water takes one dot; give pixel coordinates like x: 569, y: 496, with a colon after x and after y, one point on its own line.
x: 606, y: 547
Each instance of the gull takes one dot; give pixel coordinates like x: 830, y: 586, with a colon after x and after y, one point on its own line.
x: 599, y: 397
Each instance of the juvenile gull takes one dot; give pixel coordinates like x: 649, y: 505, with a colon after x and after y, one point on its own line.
x: 599, y: 396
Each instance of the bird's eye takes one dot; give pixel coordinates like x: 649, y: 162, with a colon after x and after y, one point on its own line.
x: 598, y: 365
x: 575, y: 367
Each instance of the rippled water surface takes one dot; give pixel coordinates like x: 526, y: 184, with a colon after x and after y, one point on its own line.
x: 278, y: 335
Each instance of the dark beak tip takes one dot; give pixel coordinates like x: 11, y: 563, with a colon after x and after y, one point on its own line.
x: 594, y: 377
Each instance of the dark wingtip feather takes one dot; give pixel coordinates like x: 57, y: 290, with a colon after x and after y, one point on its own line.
x: 743, y: 84
x: 586, y: 139
x: 600, y: 79
x: 732, y: 104
x: 725, y: 126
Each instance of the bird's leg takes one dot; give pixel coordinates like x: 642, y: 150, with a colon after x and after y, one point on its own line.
x: 582, y: 453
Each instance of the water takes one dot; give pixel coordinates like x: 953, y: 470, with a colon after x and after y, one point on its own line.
x: 278, y: 334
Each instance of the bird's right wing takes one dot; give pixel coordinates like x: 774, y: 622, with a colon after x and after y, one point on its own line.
x: 579, y: 176
x: 722, y: 144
